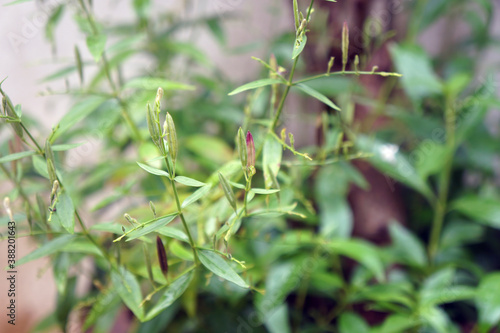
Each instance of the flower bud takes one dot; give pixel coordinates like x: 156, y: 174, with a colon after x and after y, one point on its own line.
x: 250, y: 150
x: 330, y: 65
x: 162, y: 256
x: 345, y: 45
x: 242, y: 147
x: 153, y: 208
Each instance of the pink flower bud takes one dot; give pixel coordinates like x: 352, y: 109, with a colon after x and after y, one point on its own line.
x: 250, y: 150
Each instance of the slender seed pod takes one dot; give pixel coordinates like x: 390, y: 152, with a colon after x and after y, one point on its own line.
x: 162, y: 256
x: 79, y: 63
x: 152, y: 125
x: 228, y: 191
x: 242, y: 147
x: 171, y: 137
x: 250, y: 150
x: 345, y: 45
x: 330, y: 65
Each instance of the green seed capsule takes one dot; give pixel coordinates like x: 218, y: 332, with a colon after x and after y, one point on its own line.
x: 242, y: 147
x: 170, y: 137
x: 162, y: 256
x: 228, y: 191
x: 345, y: 45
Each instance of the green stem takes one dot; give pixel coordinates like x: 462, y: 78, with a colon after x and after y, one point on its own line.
x: 314, y: 77
x: 181, y: 215
x: 283, y: 97
x: 444, y: 181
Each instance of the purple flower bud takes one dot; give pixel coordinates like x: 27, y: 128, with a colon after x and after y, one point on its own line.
x: 250, y: 150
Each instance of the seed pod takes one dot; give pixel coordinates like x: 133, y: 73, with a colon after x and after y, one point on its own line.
x: 15, y: 124
x: 153, y: 208
x: 228, y: 191
x: 170, y: 137
x: 53, y: 193
x: 242, y: 147
x: 130, y: 219
x: 345, y: 45
x: 162, y: 256
x: 52, y: 171
x: 292, y: 140
x: 330, y: 65
x: 153, y: 125
x: 250, y: 150
x: 49, y: 157
x: 79, y: 63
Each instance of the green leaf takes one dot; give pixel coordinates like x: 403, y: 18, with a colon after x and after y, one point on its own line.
x: 407, y: 248
x: 316, y: 94
x: 67, y: 146
x: 264, y: 191
x: 219, y: 267
x: 152, y: 83
x: 40, y: 166
x: 298, y: 45
x: 79, y: 111
x: 271, y: 159
x: 196, y: 195
x: 171, y: 293
x: 48, y: 248
x: 350, y: 322
x: 448, y: 295
x: 457, y: 233
x: 430, y: 158
x: 173, y: 233
x: 16, y: 156
x: 488, y: 301
x: 96, y: 45
x: 277, y: 321
x: 255, y: 85
x: 335, y: 215
x: 387, y: 158
x: 419, y: 79
x: 16, y: 2
x: 153, y: 170
x: 189, y: 181
x: 150, y: 226
x: 482, y: 210
x: 361, y: 251
x: 66, y: 212
x: 126, y: 285
x: 396, y: 323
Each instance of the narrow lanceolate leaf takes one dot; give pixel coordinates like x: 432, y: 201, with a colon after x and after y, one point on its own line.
x: 219, y: 267
x: 189, y: 181
x: 16, y: 156
x: 300, y: 43
x: 148, y: 227
x: 255, y: 85
x: 66, y: 212
x: 171, y: 294
x: 48, y: 248
x: 316, y: 94
x: 228, y: 191
x: 264, y: 191
x: 127, y: 286
x: 152, y: 170
x: 152, y: 83
x: 196, y: 195
x: 162, y: 256
x: 79, y: 63
x: 96, y: 45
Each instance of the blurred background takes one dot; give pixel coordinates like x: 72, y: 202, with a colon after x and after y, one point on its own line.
x: 216, y: 39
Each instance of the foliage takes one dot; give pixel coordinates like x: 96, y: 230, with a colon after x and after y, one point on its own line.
x: 242, y: 230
